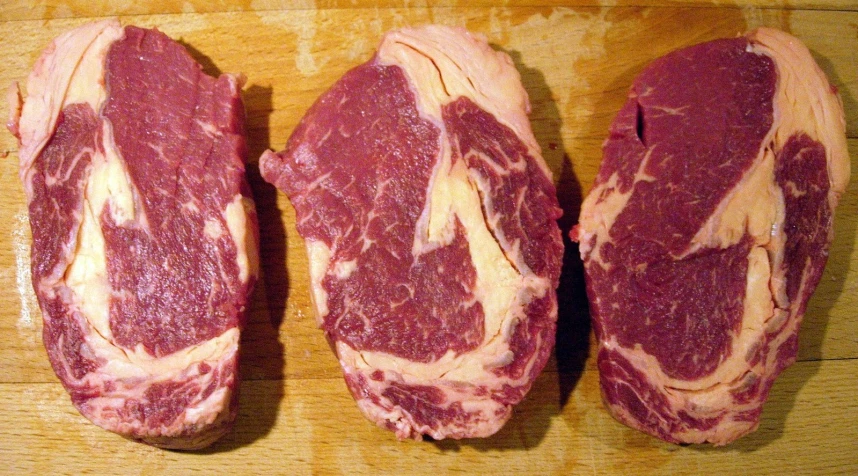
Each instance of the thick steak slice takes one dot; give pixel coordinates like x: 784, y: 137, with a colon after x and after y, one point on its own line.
x: 707, y: 231
x: 430, y: 222
x: 144, y: 232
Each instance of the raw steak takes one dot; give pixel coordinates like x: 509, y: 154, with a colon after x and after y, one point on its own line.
x: 144, y: 232
x: 707, y: 231
x: 430, y: 222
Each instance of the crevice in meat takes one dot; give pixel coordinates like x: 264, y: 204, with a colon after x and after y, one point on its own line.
x: 491, y: 225
x: 434, y: 64
x: 639, y: 124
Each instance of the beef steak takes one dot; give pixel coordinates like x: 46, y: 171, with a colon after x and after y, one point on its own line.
x: 144, y: 232
x: 707, y: 230
x: 429, y: 218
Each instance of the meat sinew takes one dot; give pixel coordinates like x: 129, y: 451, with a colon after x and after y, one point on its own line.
x: 707, y: 231
x: 430, y: 223
x: 144, y: 232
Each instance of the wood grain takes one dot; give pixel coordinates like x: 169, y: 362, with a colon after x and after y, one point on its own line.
x: 576, y: 62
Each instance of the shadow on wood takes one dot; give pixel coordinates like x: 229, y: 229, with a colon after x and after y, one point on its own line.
x: 208, y: 66
x: 272, y: 230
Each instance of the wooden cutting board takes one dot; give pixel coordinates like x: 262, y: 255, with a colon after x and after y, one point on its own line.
x: 296, y: 416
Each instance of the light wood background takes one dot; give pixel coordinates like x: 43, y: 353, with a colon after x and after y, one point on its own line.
x: 577, y: 60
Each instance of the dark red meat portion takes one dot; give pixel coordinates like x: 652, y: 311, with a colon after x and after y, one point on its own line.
x: 373, y: 178
x: 59, y: 175
x: 696, y: 142
x: 802, y: 174
x: 185, y: 173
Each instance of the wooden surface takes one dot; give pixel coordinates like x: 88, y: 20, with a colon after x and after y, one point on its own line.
x: 296, y: 415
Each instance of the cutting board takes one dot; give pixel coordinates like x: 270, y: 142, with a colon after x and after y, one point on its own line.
x: 296, y: 415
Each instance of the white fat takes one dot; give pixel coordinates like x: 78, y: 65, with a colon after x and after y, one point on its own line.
x: 597, y: 218
x: 435, y: 227
x: 210, y: 409
x: 212, y: 229
x: 804, y: 103
x: 81, y: 88
x: 344, y: 269
x: 319, y: 256
x: 247, y: 249
x: 87, y: 275
x: 108, y: 183
x: 137, y: 363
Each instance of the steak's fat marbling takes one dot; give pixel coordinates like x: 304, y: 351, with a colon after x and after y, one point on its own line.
x: 144, y: 231
x: 429, y: 218
x: 707, y: 230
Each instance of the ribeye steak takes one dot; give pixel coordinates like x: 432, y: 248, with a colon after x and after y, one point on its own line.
x: 707, y: 230
x: 430, y: 222
x: 144, y: 232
